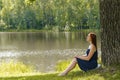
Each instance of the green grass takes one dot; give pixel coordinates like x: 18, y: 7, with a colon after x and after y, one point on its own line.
x: 63, y: 64
x: 44, y: 30
x: 13, y: 68
x: 110, y: 73
x: 25, y: 30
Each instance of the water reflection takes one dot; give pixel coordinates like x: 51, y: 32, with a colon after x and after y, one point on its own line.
x: 44, y: 49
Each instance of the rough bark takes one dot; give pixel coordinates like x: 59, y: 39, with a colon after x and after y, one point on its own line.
x: 110, y: 31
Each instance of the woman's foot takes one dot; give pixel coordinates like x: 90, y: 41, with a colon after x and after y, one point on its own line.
x: 62, y: 74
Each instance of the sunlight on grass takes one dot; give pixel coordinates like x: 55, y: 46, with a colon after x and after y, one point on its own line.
x: 22, y: 72
x: 8, y: 68
x: 62, y: 65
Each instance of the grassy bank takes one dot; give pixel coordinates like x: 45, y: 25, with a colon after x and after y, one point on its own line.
x: 111, y: 73
x: 44, y: 30
x: 74, y: 75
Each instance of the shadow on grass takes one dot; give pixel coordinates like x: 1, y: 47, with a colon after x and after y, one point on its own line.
x: 98, y: 74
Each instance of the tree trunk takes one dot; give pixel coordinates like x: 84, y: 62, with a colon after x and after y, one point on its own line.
x: 110, y: 31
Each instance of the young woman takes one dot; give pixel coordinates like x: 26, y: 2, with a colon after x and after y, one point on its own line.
x: 88, y: 61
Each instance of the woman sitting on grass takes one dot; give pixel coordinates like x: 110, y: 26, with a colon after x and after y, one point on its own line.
x: 87, y: 62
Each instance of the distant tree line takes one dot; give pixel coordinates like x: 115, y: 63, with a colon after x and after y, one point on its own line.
x: 49, y: 14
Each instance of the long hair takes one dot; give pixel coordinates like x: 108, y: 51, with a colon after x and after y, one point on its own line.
x: 94, y: 39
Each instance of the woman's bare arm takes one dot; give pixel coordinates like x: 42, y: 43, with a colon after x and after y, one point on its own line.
x: 87, y: 58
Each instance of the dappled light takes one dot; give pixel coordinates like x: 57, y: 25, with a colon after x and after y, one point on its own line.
x: 59, y: 39
x: 42, y: 50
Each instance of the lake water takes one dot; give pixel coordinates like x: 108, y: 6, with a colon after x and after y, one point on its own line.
x: 42, y: 49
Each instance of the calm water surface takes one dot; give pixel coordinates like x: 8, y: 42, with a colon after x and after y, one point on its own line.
x: 42, y: 49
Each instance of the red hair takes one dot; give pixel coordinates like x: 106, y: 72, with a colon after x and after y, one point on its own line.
x: 94, y: 39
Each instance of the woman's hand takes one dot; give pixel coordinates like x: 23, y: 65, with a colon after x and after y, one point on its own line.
x: 77, y: 57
